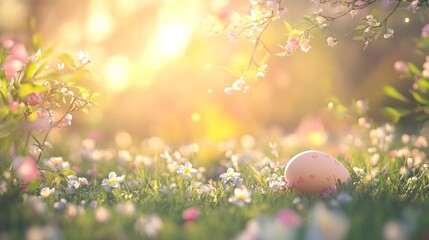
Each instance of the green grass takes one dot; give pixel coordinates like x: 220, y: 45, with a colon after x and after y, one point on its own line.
x: 388, y: 196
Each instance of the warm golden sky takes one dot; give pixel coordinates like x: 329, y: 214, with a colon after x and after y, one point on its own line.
x: 161, y: 72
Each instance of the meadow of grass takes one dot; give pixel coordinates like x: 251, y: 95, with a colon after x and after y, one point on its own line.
x: 165, y: 193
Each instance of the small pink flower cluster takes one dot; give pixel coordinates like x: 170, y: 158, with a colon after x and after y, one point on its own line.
x: 425, y: 31
x: 35, y: 98
x: 26, y: 168
x: 17, y: 59
x: 293, y: 44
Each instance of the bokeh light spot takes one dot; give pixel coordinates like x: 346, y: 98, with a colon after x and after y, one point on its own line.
x: 117, y: 72
x: 196, y: 117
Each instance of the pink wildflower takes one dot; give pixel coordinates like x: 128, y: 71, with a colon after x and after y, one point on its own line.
x: 26, y: 168
x: 289, y: 218
x: 191, y: 214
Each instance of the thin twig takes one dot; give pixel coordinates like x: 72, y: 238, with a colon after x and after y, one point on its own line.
x: 257, y: 42
x: 42, y: 148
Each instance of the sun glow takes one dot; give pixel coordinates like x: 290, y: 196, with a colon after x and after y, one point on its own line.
x: 173, y: 38
x: 117, y: 72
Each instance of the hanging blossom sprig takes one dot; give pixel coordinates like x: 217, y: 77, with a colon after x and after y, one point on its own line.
x: 253, y: 23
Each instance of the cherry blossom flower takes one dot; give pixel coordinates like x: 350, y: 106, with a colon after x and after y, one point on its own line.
x: 414, y: 5
x: 425, y: 31
x: 354, y: 12
x: 34, y: 98
x: 232, y: 36
x: 291, y: 45
x: 66, y: 121
x: 321, y: 20
x: 112, y: 181
x: 83, y: 57
x: 363, y: 123
x: 401, y: 67
x: 239, y: 84
x: 305, y: 46
x: 273, y: 5
x: 389, y: 33
x: 186, y: 170
x: 331, y: 41
x: 7, y: 43
x: 241, y: 196
x: 372, y: 22
x: 19, y: 52
x: 11, y: 66
x: 16, y: 60
x: 13, y: 106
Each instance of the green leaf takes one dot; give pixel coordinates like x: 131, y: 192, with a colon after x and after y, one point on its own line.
x: 4, y: 98
x: 393, y: 93
x: 40, y: 69
x: 47, y: 52
x: 414, y: 69
x: 85, y: 110
x: 423, y: 83
x: 28, y: 88
x: 67, y: 60
x: 358, y: 38
x: 395, y: 113
x: 34, y: 185
x: 36, y: 41
x: 288, y: 27
x: 420, y: 98
x: 360, y: 27
x: 31, y: 69
x: 265, y: 59
x: 95, y: 95
x: 67, y: 172
x: 374, y: 13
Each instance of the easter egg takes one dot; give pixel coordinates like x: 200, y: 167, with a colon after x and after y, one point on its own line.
x: 312, y: 172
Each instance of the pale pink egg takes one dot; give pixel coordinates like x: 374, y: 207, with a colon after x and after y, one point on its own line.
x: 313, y: 172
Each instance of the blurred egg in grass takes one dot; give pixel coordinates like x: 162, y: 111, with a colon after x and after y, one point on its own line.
x: 314, y: 172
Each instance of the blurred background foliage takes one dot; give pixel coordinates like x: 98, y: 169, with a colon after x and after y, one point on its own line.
x: 162, y: 74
